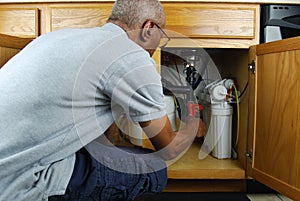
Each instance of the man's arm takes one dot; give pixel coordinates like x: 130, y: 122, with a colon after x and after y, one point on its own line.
x: 171, y: 143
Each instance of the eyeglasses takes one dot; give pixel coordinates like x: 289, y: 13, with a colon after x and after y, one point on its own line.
x: 164, y: 39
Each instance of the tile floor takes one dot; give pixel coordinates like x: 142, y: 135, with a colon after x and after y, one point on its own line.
x: 267, y: 197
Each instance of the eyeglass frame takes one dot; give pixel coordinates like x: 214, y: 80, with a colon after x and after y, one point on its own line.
x: 164, y: 33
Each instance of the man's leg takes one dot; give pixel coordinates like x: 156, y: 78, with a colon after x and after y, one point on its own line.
x: 91, y: 180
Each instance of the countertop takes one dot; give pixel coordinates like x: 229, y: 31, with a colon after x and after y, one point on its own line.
x: 212, y: 1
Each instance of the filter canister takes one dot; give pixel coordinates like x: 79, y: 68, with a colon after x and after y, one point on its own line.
x: 221, y: 128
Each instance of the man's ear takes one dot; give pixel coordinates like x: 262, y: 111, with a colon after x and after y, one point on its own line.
x: 147, y: 31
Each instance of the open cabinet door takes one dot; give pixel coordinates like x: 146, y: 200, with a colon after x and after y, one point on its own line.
x: 11, y: 45
x: 275, y: 115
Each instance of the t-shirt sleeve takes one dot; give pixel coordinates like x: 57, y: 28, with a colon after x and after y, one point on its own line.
x: 135, y: 89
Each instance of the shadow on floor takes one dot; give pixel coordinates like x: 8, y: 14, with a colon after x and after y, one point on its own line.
x: 197, y: 197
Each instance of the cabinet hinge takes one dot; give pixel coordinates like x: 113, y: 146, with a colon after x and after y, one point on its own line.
x: 251, y: 67
x: 249, y: 155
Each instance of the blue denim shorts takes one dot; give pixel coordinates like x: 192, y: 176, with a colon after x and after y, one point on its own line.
x: 91, y: 180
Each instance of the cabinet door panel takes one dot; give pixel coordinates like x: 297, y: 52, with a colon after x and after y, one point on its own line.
x: 79, y: 16
x: 277, y: 139
x: 10, y: 46
x: 19, y: 22
x: 212, y: 20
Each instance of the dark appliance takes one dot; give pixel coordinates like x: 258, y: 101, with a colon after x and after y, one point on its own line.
x: 279, y: 22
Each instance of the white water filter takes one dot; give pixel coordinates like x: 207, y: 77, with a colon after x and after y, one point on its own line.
x: 221, y: 125
x: 171, y: 111
x: 135, y: 132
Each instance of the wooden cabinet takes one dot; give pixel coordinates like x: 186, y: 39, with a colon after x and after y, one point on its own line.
x: 276, y: 114
x: 269, y: 121
x: 268, y: 149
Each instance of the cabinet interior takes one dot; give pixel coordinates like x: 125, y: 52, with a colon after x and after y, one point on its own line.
x: 231, y: 63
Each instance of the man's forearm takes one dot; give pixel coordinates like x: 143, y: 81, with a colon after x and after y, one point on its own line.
x: 170, y: 144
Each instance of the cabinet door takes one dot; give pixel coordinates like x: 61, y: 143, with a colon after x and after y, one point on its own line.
x: 79, y: 15
x: 10, y: 46
x: 276, y: 159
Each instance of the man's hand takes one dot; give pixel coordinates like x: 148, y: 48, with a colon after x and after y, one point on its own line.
x: 198, y: 124
x: 162, y: 136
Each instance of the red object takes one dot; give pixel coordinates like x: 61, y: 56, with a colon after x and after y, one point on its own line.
x: 194, y: 108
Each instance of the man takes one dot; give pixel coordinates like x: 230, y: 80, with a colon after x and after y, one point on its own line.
x: 66, y: 89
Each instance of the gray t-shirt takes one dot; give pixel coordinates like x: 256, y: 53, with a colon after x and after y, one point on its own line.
x: 60, y: 93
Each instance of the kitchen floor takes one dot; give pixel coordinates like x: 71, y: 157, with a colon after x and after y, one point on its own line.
x: 255, y: 192
x: 216, y: 197
x: 267, y: 197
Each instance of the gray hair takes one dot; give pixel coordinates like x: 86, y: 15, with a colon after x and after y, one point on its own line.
x: 134, y: 13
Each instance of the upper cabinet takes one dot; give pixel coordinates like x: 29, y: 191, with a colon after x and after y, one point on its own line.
x: 19, y: 22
